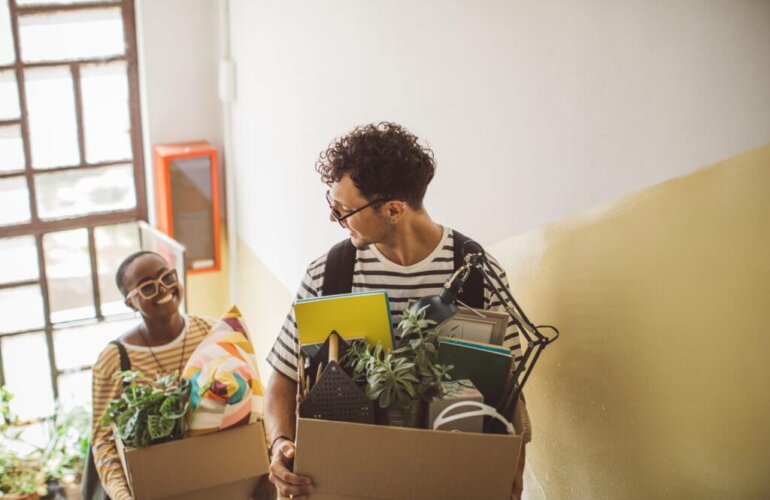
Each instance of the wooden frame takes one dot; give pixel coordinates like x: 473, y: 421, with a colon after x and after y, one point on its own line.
x: 477, y: 325
x: 36, y: 226
x: 163, y: 157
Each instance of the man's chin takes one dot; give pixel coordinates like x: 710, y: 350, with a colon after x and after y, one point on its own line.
x: 358, y: 242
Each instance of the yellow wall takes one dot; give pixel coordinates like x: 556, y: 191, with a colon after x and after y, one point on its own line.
x: 262, y: 299
x: 659, y: 386
x: 208, y: 293
x: 264, y: 302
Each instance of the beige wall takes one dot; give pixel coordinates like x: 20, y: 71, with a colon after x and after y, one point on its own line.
x: 208, y: 293
x: 550, y: 107
x: 658, y: 387
x: 264, y: 302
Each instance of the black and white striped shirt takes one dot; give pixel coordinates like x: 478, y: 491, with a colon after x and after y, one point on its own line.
x: 404, y: 284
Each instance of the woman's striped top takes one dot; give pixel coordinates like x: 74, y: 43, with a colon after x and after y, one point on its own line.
x: 171, y: 357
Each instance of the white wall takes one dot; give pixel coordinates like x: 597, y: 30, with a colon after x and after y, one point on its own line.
x: 178, y: 44
x: 535, y: 110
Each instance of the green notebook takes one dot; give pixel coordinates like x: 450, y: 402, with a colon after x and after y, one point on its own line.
x: 487, y: 366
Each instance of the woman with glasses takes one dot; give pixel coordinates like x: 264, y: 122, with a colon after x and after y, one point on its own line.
x: 160, y: 343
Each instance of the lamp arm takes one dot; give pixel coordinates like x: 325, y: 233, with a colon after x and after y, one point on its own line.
x: 456, y: 281
x: 482, y: 264
x: 536, y: 341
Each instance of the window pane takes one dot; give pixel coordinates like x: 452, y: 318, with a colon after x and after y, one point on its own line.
x: 52, y: 122
x: 71, y: 35
x: 9, y: 96
x: 81, y: 345
x: 14, y: 201
x: 105, y: 112
x: 113, y: 244
x: 80, y: 192
x: 6, y: 38
x: 75, y: 390
x: 21, y: 308
x: 18, y: 259
x: 31, y: 436
x: 28, y: 375
x: 193, y: 218
x: 11, y: 149
x: 57, y: 2
x: 68, y: 269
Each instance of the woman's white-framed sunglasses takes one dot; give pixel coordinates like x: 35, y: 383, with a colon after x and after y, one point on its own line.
x: 151, y: 288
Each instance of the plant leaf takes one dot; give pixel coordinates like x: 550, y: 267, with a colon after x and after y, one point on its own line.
x: 159, y: 427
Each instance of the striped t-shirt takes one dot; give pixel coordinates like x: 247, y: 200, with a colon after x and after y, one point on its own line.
x: 170, y: 356
x: 404, y: 284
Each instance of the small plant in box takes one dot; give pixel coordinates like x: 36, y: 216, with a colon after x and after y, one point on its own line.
x: 149, y: 413
x: 409, y: 374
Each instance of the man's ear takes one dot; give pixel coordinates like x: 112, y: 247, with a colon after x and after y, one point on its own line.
x: 395, y: 210
x: 130, y: 304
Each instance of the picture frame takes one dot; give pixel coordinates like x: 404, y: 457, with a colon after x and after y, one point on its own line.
x: 477, y: 325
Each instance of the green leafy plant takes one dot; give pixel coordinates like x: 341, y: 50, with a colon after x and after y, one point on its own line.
x: 67, y: 448
x: 149, y: 413
x: 20, y: 474
x: 409, y: 373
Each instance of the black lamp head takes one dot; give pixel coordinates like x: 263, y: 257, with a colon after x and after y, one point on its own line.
x: 438, y: 308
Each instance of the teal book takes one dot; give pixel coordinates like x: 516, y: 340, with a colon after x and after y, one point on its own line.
x: 487, y: 366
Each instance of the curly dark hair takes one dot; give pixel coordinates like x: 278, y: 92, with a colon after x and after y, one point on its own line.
x: 384, y: 160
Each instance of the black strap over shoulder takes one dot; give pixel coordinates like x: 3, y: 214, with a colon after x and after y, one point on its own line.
x: 91, y: 487
x: 338, y: 274
x: 341, y: 260
x: 125, y: 362
x: 472, y: 292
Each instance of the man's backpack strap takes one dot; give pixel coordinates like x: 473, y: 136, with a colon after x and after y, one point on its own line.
x: 472, y: 292
x: 338, y: 274
x: 341, y: 259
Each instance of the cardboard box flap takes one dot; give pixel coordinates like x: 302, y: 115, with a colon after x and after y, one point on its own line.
x: 197, y: 462
x: 378, y: 462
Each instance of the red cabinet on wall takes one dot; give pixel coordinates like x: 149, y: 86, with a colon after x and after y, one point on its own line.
x: 187, y: 200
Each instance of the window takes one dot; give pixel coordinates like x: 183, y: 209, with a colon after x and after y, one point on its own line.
x: 71, y: 191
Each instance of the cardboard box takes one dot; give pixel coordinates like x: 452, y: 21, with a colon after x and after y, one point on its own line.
x: 360, y: 461
x: 225, y: 464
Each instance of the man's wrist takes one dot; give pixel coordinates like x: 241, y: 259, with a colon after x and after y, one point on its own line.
x: 277, y: 440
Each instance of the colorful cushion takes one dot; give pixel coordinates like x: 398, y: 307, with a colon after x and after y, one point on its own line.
x: 226, y: 388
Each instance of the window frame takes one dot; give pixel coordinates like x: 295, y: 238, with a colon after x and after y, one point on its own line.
x: 36, y: 226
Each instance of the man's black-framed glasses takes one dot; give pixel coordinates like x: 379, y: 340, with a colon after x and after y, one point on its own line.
x: 338, y: 215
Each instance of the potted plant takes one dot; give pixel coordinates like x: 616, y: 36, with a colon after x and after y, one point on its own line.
x: 66, y: 451
x: 149, y: 413
x: 401, y: 381
x: 21, y: 476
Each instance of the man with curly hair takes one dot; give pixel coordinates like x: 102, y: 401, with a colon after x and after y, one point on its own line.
x: 377, y: 176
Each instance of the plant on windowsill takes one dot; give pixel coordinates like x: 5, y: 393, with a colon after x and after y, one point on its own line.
x: 66, y: 451
x: 21, y: 476
x: 149, y: 414
x: 401, y: 381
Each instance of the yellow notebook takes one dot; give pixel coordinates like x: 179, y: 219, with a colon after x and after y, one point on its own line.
x: 352, y: 315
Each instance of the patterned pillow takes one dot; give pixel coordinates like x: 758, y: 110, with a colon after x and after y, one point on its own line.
x: 226, y: 388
